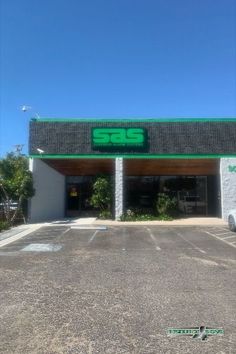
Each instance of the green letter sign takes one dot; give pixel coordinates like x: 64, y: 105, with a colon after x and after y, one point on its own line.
x: 118, y: 138
x: 232, y: 168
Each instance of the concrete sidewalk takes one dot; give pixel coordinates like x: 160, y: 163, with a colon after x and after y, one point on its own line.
x: 198, y: 221
x: 194, y: 221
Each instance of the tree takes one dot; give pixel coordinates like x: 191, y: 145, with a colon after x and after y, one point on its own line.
x: 165, y: 205
x: 102, y: 196
x: 16, y: 183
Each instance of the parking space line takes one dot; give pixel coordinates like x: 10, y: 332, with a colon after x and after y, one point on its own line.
x: 190, y: 242
x: 64, y: 232
x: 224, y: 238
x: 124, y: 239
x: 221, y: 239
x: 92, y: 237
x: 219, y: 229
x: 153, y: 239
x: 223, y: 233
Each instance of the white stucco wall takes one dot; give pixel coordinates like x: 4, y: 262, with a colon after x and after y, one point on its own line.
x: 119, y: 187
x: 48, y: 202
x: 228, y: 185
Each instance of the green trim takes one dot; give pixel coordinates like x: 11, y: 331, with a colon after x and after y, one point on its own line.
x: 137, y: 156
x: 135, y: 120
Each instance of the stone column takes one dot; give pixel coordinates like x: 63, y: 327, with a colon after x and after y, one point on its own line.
x: 119, y: 186
x: 228, y: 185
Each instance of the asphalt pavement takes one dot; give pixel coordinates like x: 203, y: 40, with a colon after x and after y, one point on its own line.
x: 117, y: 289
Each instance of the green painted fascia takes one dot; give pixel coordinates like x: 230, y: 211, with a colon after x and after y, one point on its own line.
x: 138, y: 156
x: 125, y: 120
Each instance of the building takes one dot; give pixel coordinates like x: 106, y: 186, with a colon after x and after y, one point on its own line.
x: 191, y: 159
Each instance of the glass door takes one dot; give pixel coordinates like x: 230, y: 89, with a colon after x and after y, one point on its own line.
x: 78, y: 194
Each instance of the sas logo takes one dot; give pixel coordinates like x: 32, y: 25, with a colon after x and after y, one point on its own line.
x: 118, y: 138
x: 232, y: 168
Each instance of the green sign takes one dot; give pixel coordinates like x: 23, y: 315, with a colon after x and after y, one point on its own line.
x: 119, y: 139
x: 232, y: 168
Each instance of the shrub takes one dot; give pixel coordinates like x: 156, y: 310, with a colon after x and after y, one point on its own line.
x: 4, y: 225
x: 165, y: 206
x: 101, y: 198
x: 105, y: 214
x: 136, y: 215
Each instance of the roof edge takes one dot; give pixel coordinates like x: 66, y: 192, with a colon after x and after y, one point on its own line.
x: 135, y: 120
x: 145, y: 156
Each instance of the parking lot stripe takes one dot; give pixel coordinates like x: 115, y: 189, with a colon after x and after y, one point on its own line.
x: 221, y: 239
x: 64, y: 232
x: 92, y: 237
x: 191, y: 243
x: 223, y: 233
x: 153, y: 239
x: 224, y: 238
x: 219, y: 229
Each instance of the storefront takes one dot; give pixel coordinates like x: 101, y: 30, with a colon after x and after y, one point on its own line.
x: 193, y: 160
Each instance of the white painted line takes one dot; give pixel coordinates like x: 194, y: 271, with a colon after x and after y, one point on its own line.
x: 218, y: 229
x: 124, y: 239
x: 92, y: 237
x: 18, y: 236
x: 224, y: 233
x: 56, y: 225
x: 64, y: 232
x: 224, y: 238
x: 221, y: 239
x: 191, y: 243
x: 88, y: 227
x: 153, y: 239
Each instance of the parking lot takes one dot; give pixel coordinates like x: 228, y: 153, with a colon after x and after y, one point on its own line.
x: 117, y: 289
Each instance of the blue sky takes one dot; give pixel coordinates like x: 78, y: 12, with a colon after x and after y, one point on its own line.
x: 115, y: 59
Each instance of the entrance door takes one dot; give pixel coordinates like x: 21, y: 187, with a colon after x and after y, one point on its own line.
x: 78, y: 194
x: 73, y: 199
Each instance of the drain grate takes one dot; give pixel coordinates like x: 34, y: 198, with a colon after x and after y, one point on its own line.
x: 41, y: 247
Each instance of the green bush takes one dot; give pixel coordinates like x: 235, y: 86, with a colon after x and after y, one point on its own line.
x: 4, y: 225
x: 165, y: 218
x: 165, y: 206
x: 136, y: 215
x: 105, y: 214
